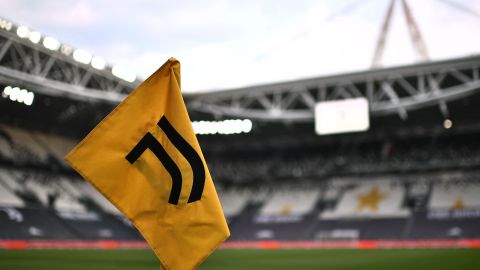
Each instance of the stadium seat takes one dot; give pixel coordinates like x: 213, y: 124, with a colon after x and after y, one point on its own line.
x: 8, y: 198
x: 370, y: 198
x: 25, y: 142
x: 291, y: 201
x: 233, y: 201
x: 455, y: 195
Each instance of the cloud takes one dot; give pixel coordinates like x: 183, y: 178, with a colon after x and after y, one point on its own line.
x: 148, y: 62
x: 80, y: 14
x: 68, y: 13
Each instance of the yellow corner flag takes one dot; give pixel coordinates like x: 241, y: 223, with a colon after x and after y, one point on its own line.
x: 144, y: 157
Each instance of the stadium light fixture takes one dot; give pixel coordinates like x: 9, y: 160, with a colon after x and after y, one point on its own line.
x: 14, y: 94
x: 6, y: 91
x: 247, y: 126
x: 66, y: 50
x: 447, y: 124
x: 342, y: 116
x: 98, y: 63
x: 29, y: 99
x: 23, y: 32
x: 225, y: 127
x: 5, y: 24
x: 19, y: 95
x: 35, y: 37
x: 82, y: 56
x: 51, y: 43
x: 22, y: 94
x: 123, y: 73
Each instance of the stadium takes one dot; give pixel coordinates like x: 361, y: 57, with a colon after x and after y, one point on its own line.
x: 401, y: 191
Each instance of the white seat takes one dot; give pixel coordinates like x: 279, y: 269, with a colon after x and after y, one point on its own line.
x: 27, y: 142
x: 98, y: 198
x: 376, y: 198
x: 9, y: 179
x: 8, y: 198
x: 233, y: 201
x: 288, y: 201
x: 450, y: 195
x: 58, y: 146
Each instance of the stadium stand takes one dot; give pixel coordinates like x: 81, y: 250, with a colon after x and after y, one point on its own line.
x: 374, y: 198
x: 373, y: 202
x: 290, y: 201
x: 455, y: 195
x: 92, y: 194
x: 32, y: 223
x: 233, y: 201
x: 8, y: 198
x: 8, y: 179
x: 58, y: 146
x: 371, y: 209
x: 27, y: 145
x: 6, y: 147
x: 38, y: 203
x: 51, y: 195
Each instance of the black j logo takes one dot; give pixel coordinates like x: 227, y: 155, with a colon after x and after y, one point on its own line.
x: 148, y: 141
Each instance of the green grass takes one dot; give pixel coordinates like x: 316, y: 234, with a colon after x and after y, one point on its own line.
x: 77, y: 259
x: 435, y: 259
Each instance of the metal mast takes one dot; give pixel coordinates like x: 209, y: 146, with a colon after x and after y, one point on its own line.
x: 414, y: 30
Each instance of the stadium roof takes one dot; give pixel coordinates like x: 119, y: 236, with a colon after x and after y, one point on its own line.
x: 281, y: 40
x: 71, y: 87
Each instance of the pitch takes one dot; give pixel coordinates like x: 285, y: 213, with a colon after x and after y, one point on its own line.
x: 437, y: 259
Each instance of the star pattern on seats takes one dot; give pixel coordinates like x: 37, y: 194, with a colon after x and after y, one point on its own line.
x: 458, y: 204
x: 370, y: 200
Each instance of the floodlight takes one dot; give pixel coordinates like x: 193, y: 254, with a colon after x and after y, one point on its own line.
x: 98, y: 62
x: 23, y: 31
x: 82, y: 56
x: 51, y: 43
x: 123, y: 73
x: 35, y: 37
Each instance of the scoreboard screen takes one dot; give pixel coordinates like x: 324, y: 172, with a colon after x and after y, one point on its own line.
x: 341, y: 116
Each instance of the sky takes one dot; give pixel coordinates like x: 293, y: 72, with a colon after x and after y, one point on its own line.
x: 229, y: 44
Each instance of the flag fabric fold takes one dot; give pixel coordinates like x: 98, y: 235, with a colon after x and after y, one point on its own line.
x: 144, y: 157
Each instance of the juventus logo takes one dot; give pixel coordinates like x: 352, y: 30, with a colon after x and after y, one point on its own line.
x: 149, y: 142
